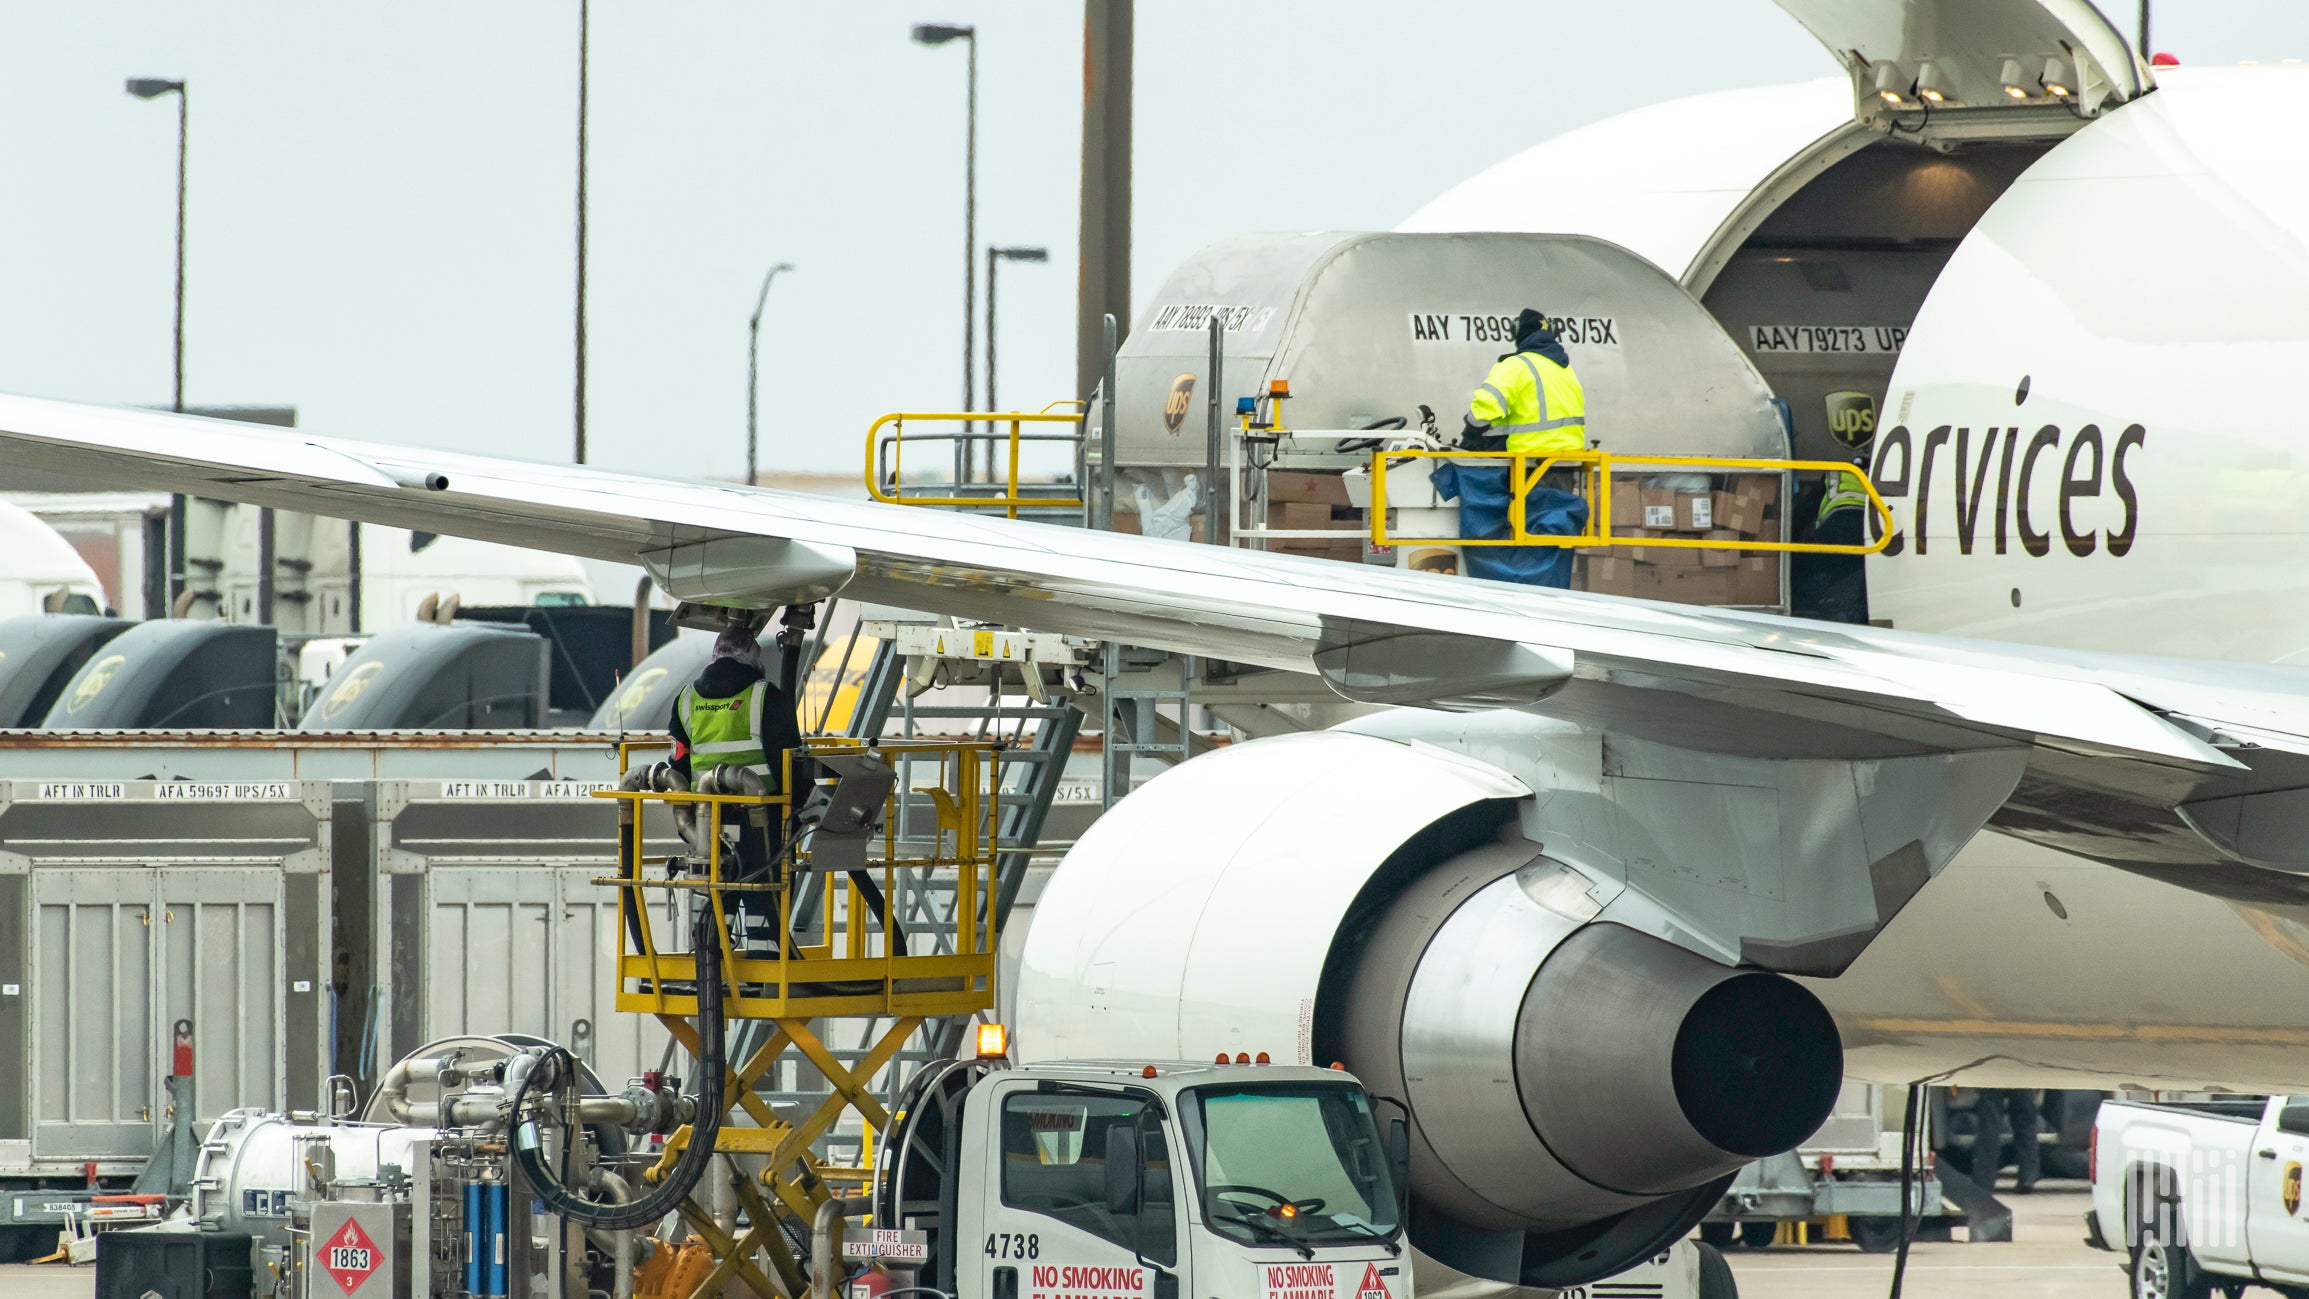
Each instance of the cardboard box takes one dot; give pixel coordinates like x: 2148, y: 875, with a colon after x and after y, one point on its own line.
x: 1608, y: 574
x: 1768, y: 530
x: 1695, y: 511
x: 1627, y: 503
x: 1297, y: 515
x: 1350, y: 551
x: 1713, y: 558
x: 1658, y: 509
x: 1285, y: 486
x: 1739, y: 512
x: 1757, y: 580
x: 1664, y: 556
x: 1684, y: 585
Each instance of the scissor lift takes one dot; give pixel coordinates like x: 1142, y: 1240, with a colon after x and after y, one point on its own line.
x: 852, y: 971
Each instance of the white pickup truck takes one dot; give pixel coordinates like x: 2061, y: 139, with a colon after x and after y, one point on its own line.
x: 2203, y: 1196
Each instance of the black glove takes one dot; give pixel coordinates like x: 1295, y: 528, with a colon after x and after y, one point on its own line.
x: 1475, y: 435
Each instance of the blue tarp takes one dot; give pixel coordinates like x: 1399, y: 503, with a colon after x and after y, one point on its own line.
x: 1482, y: 496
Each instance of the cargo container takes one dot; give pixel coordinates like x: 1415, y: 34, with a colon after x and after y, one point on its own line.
x: 128, y: 905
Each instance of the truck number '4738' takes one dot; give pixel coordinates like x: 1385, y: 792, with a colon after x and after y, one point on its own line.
x: 1010, y: 1244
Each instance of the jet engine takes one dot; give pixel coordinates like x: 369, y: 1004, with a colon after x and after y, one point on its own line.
x: 1580, y: 1091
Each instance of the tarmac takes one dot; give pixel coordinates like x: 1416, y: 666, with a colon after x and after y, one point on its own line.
x: 2046, y: 1259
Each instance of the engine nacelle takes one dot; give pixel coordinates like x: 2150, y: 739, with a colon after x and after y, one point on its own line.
x: 1579, y: 1090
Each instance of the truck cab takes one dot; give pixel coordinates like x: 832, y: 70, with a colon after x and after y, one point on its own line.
x: 1114, y: 1179
x: 2202, y: 1194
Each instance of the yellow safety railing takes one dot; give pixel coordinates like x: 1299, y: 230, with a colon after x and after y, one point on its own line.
x: 795, y: 991
x: 1010, y: 500
x: 844, y: 974
x: 1525, y: 469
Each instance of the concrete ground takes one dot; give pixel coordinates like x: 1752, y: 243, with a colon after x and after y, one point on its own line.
x: 2047, y: 1259
x: 49, y: 1281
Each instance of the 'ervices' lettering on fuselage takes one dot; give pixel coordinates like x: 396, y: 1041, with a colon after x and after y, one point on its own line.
x: 1985, y: 488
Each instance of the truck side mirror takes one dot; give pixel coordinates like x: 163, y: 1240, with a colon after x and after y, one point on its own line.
x: 1122, y: 1170
x: 1399, y: 1157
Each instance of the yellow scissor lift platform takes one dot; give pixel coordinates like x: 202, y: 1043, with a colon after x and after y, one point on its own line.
x: 854, y: 972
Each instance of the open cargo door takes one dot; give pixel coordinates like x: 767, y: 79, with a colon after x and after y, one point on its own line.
x: 1958, y: 69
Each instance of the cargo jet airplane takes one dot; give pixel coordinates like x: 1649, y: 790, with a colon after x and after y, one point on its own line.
x: 1580, y: 898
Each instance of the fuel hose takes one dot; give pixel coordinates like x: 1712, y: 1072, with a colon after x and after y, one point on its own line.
x: 689, y: 1168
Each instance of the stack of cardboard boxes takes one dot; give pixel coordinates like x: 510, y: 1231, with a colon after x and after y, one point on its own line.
x: 1731, y: 507
x: 1308, y: 501
x: 1734, y: 507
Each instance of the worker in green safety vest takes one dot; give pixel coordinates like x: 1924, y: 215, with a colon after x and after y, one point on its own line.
x: 1830, y: 586
x: 733, y: 715
x: 1844, y: 493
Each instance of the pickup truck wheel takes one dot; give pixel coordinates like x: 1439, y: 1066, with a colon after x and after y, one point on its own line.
x: 2165, y: 1271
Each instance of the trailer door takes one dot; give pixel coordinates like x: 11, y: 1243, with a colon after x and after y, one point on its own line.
x: 92, y: 1031
x: 219, y: 961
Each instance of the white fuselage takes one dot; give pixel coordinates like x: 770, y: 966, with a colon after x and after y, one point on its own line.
x: 2148, y: 281
x: 2147, y: 278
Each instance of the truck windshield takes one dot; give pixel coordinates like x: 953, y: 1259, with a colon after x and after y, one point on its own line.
x: 1292, y: 1165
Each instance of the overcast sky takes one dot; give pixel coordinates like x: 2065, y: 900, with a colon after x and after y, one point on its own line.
x: 382, y: 209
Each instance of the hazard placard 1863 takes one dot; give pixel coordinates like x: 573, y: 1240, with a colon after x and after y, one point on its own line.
x: 349, y: 1256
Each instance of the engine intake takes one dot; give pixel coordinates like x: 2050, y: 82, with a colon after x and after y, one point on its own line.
x: 1567, y: 1079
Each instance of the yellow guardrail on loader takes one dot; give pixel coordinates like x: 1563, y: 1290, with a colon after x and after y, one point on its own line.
x: 866, y: 964
x: 856, y: 969
x: 1525, y: 470
x: 1011, y: 499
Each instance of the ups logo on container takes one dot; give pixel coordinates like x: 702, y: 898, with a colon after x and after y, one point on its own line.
x: 1175, y: 403
x: 1852, y: 417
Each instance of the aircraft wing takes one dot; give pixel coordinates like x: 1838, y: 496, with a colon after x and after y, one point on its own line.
x: 2175, y: 768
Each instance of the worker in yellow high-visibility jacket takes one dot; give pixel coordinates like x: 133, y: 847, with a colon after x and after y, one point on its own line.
x: 1532, y: 398
x: 1531, y: 403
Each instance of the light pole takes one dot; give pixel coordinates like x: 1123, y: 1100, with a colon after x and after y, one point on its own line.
x: 753, y: 364
x: 154, y: 88
x: 584, y: 32
x: 995, y: 257
x: 939, y: 34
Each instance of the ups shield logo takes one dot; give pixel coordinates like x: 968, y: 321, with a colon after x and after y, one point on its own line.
x: 1852, y: 418
x: 352, y: 688
x: 1175, y: 405
x: 94, y: 680
x: 2290, y: 1189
